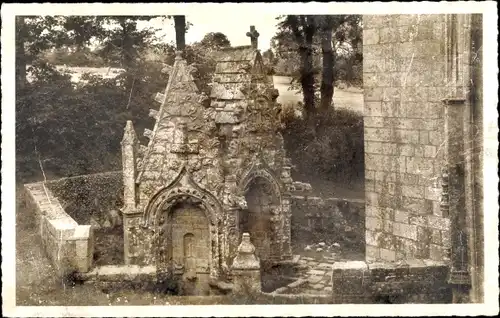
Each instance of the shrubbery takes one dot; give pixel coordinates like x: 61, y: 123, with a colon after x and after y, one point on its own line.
x: 76, y: 129
x: 329, y: 145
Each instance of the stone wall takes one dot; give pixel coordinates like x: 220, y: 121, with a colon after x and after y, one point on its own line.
x: 404, y: 75
x: 407, y: 282
x: 333, y: 219
x: 68, y: 245
x: 90, y: 195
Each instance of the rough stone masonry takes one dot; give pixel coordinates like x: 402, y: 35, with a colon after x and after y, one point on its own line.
x: 418, y: 74
x: 215, y: 167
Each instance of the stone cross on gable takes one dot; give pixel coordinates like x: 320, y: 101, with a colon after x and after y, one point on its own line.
x: 254, y: 35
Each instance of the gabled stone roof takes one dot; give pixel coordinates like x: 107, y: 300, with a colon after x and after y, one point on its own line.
x: 181, y: 99
x: 236, y: 69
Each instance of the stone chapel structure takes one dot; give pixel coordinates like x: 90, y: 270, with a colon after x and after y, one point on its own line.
x: 214, y: 168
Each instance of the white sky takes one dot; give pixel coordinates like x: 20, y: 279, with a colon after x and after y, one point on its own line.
x: 234, y: 26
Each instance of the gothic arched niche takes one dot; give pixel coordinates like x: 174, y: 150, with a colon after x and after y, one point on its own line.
x: 185, y: 237
x: 263, y: 202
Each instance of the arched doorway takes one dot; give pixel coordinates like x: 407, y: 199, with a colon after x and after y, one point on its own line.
x: 185, y: 246
x: 262, y: 201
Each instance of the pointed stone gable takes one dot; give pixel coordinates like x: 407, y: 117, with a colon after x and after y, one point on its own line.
x: 238, y: 80
x: 176, y: 131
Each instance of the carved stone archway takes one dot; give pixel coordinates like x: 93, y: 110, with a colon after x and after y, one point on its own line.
x: 263, y: 217
x: 182, y: 194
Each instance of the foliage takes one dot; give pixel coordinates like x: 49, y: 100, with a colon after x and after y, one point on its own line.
x: 215, y: 41
x: 331, y: 146
x: 347, y: 43
x: 77, y: 129
x: 71, y: 129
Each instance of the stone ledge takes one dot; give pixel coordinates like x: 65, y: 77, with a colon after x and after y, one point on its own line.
x: 82, y: 232
x: 118, y: 273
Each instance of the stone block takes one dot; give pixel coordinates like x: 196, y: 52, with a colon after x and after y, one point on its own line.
x: 401, y: 216
x: 391, y: 108
x: 387, y: 255
x: 439, y: 223
x: 388, y: 35
x: 314, y: 279
x: 350, y: 268
x: 370, y: 36
x: 371, y: 237
x: 405, y: 230
x: 437, y: 252
x: 412, y: 191
x: 372, y: 223
x: 371, y: 198
x: 372, y: 93
x: 372, y: 252
x: 374, y: 65
x: 388, y: 226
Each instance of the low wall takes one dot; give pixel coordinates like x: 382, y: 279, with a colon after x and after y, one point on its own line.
x: 315, y: 219
x: 89, y: 199
x: 68, y: 245
x: 418, y: 281
x: 90, y: 196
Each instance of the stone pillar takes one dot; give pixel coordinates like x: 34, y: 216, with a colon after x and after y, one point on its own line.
x: 129, y: 161
x: 287, y: 228
x: 246, y: 268
x: 455, y: 169
x: 84, y: 248
x: 455, y: 166
x: 286, y: 210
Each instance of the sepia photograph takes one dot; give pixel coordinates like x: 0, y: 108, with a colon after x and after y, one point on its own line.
x: 207, y: 159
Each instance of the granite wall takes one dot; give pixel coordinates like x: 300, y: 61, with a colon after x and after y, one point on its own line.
x: 404, y: 75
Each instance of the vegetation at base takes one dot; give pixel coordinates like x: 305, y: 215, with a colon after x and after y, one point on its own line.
x: 329, y: 145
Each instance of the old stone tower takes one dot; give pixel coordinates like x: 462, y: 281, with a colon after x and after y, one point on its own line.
x: 215, y: 167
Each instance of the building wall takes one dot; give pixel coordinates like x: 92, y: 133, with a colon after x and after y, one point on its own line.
x: 404, y: 75
x: 316, y: 219
x: 378, y: 283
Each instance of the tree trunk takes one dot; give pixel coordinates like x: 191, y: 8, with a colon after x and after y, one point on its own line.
x: 307, y: 76
x: 328, y: 73
x: 128, y: 54
x: 20, y: 55
x: 180, y: 31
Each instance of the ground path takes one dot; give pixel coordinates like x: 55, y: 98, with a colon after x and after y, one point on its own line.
x: 349, y: 98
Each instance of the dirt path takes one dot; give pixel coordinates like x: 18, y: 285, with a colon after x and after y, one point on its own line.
x: 343, y: 98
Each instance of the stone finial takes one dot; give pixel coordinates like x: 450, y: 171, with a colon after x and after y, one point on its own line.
x: 246, y: 259
x: 254, y: 35
x: 129, y: 135
x: 246, y: 268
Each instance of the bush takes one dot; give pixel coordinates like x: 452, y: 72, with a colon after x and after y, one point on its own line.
x: 77, y: 129
x: 329, y: 144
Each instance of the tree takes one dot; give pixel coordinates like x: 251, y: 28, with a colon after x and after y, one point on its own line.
x: 180, y: 31
x: 301, y: 35
x: 33, y: 36
x: 20, y: 54
x: 303, y: 29
x: 215, y: 41
x: 328, y: 54
x: 122, y: 42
